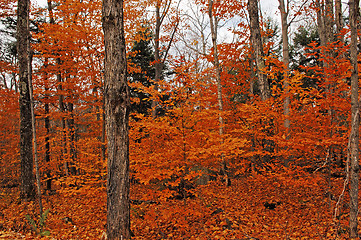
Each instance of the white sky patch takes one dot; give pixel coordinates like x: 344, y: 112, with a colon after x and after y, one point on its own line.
x: 270, y: 8
x: 41, y: 3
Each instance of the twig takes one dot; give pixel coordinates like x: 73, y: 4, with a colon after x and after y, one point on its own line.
x: 326, y: 161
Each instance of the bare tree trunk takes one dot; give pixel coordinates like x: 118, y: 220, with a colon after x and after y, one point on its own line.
x: 63, y: 122
x: 47, y: 124
x: 117, y: 107
x: 103, y: 149
x: 355, y: 121
x: 325, y: 25
x: 26, y: 150
x: 72, y: 139
x: 214, y: 24
x: 320, y: 23
x: 35, y: 145
x: 338, y: 17
x: 158, y: 64
x: 286, y: 63
x: 257, y: 46
x: 329, y: 21
x: 61, y: 96
x: 159, y: 60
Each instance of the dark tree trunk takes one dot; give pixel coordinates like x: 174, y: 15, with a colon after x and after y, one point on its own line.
x: 72, y: 139
x: 26, y: 150
x: 355, y: 122
x: 47, y: 141
x: 47, y: 129
x: 158, y: 64
x: 117, y: 106
x: 257, y: 46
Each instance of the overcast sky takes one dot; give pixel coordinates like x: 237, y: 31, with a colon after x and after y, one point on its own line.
x: 269, y: 7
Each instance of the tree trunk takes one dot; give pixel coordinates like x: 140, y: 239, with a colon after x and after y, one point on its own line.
x: 61, y: 96
x: 37, y: 172
x: 355, y: 121
x: 320, y: 23
x: 338, y: 17
x: 158, y: 64
x: 47, y: 128
x: 329, y: 21
x: 72, y: 139
x: 286, y: 63
x: 26, y: 150
x: 117, y: 107
x: 257, y: 45
x: 214, y: 24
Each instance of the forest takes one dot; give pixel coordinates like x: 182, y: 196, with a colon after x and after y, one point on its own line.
x: 170, y: 119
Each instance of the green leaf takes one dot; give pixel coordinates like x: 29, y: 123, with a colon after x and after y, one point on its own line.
x: 45, y: 233
x: 31, y: 222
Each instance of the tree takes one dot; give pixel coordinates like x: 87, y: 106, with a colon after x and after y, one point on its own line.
x: 355, y: 122
x: 285, y: 11
x: 117, y: 106
x: 141, y: 58
x: 258, y: 52
x: 286, y: 62
x: 26, y: 149
x: 214, y: 25
x: 160, y: 14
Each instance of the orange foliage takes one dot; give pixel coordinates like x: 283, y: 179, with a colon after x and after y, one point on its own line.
x: 175, y: 153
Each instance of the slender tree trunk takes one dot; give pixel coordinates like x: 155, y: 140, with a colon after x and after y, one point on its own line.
x: 47, y: 129
x: 61, y: 96
x: 286, y: 63
x: 214, y: 24
x: 47, y: 140
x: 47, y: 111
x: 117, y: 107
x: 325, y: 25
x: 72, y: 139
x: 158, y: 64
x: 355, y: 121
x: 329, y: 20
x: 63, y: 122
x: 320, y: 23
x: 338, y: 17
x: 257, y: 45
x: 35, y: 145
x: 103, y: 133
x: 26, y: 150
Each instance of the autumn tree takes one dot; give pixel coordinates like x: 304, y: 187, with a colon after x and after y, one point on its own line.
x: 141, y: 59
x: 26, y: 149
x: 355, y: 122
x: 214, y: 25
x: 117, y: 106
x: 257, y: 45
x: 162, y: 10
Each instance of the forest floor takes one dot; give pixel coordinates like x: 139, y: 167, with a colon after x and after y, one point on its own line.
x: 268, y: 206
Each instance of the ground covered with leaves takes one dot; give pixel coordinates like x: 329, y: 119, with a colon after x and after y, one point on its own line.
x: 288, y: 205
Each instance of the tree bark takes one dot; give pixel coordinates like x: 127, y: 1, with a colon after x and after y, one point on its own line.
x: 157, y: 64
x: 257, y: 46
x: 355, y: 121
x: 214, y: 24
x: 286, y: 63
x: 320, y: 23
x: 117, y: 107
x: 27, y: 191
x: 338, y: 17
x: 47, y: 111
x: 37, y: 171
